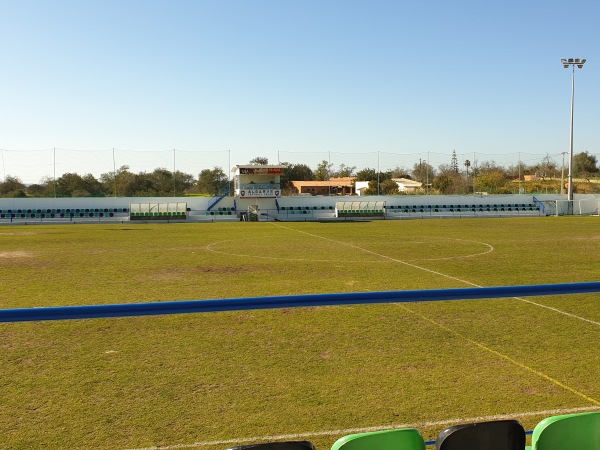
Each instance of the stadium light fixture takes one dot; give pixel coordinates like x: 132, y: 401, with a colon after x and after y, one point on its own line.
x: 572, y: 62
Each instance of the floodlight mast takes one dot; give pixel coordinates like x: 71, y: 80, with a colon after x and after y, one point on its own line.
x: 572, y: 62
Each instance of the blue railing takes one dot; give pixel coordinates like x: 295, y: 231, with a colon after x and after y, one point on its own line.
x: 219, y: 197
x: 290, y: 301
x: 540, y: 205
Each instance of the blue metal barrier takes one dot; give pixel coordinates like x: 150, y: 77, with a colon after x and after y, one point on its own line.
x: 291, y: 301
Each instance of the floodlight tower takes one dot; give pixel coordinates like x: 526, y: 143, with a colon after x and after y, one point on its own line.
x: 572, y: 62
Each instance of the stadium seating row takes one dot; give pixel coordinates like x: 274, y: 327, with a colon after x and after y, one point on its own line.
x: 460, y: 208
x: 61, y: 215
x: 360, y: 212
x: 219, y: 212
x: 162, y: 215
x: 63, y: 210
x: 435, y: 208
x: 486, y: 205
x: 305, y: 208
x: 453, y: 210
x: 579, y: 431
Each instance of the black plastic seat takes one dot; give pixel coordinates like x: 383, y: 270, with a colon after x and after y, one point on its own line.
x: 495, y: 435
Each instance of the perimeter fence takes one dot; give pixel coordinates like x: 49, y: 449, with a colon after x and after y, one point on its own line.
x: 32, y: 166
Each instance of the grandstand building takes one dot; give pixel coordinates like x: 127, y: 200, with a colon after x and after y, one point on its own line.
x: 258, y: 196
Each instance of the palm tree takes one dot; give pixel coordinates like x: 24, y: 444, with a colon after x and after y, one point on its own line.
x: 467, y: 165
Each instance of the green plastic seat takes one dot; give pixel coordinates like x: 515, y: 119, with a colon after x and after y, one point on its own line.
x: 579, y: 431
x: 400, y: 439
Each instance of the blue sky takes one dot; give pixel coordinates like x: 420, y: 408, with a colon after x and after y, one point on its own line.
x: 359, y: 82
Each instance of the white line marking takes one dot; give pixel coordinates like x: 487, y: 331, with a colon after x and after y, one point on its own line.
x: 210, y: 248
x: 559, y: 311
x: 573, y: 316
x: 389, y: 258
x: 343, y: 432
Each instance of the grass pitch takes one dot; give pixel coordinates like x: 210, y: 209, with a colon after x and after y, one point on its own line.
x: 210, y: 379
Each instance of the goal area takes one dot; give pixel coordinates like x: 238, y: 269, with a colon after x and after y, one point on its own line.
x: 589, y: 207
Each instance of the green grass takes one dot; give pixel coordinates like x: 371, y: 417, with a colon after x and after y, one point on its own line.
x: 175, y: 380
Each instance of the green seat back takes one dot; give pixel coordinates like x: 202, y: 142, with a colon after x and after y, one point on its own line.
x: 568, y: 432
x: 401, y: 439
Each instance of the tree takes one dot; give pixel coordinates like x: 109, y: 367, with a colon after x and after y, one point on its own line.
x: 295, y: 172
x: 493, y: 182
x: 454, y: 162
x: 45, y: 188
x: 143, y: 185
x: 400, y: 172
x: 366, y: 174
x: 423, y: 172
x: 161, y: 182
x: 212, y: 181
x: 121, y: 183
x: 490, y: 166
x: 93, y: 186
x: 344, y: 171
x: 585, y: 165
x: 517, y: 171
x: 546, y: 168
x: 260, y: 160
x: 12, y: 187
x: 372, y: 189
x: 389, y: 187
x: 375, y: 180
x: 184, y: 182
x: 448, y: 181
x: 165, y: 183
x: 323, y: 171
x: 74, y: 185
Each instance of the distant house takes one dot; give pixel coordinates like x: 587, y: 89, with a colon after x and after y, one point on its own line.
x: 361, y: 186
x: 406, y: 185
x: 333, y: 186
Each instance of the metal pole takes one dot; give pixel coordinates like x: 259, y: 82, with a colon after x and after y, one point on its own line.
x: 427, y: 177
x: 570, y: 188
x: 174, y: 166
x: 473, y: 171
x: 54, y: 164
x: 3, y: 168
x: 327, y: 174
x: 562, y: 175
x: 520, y: 173
x: 377, y: 172
x: 114, y: 171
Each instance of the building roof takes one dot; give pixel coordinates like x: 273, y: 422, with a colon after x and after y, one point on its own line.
x: 258, y: 166
x: 337, y: 182
x: 407, y: 182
